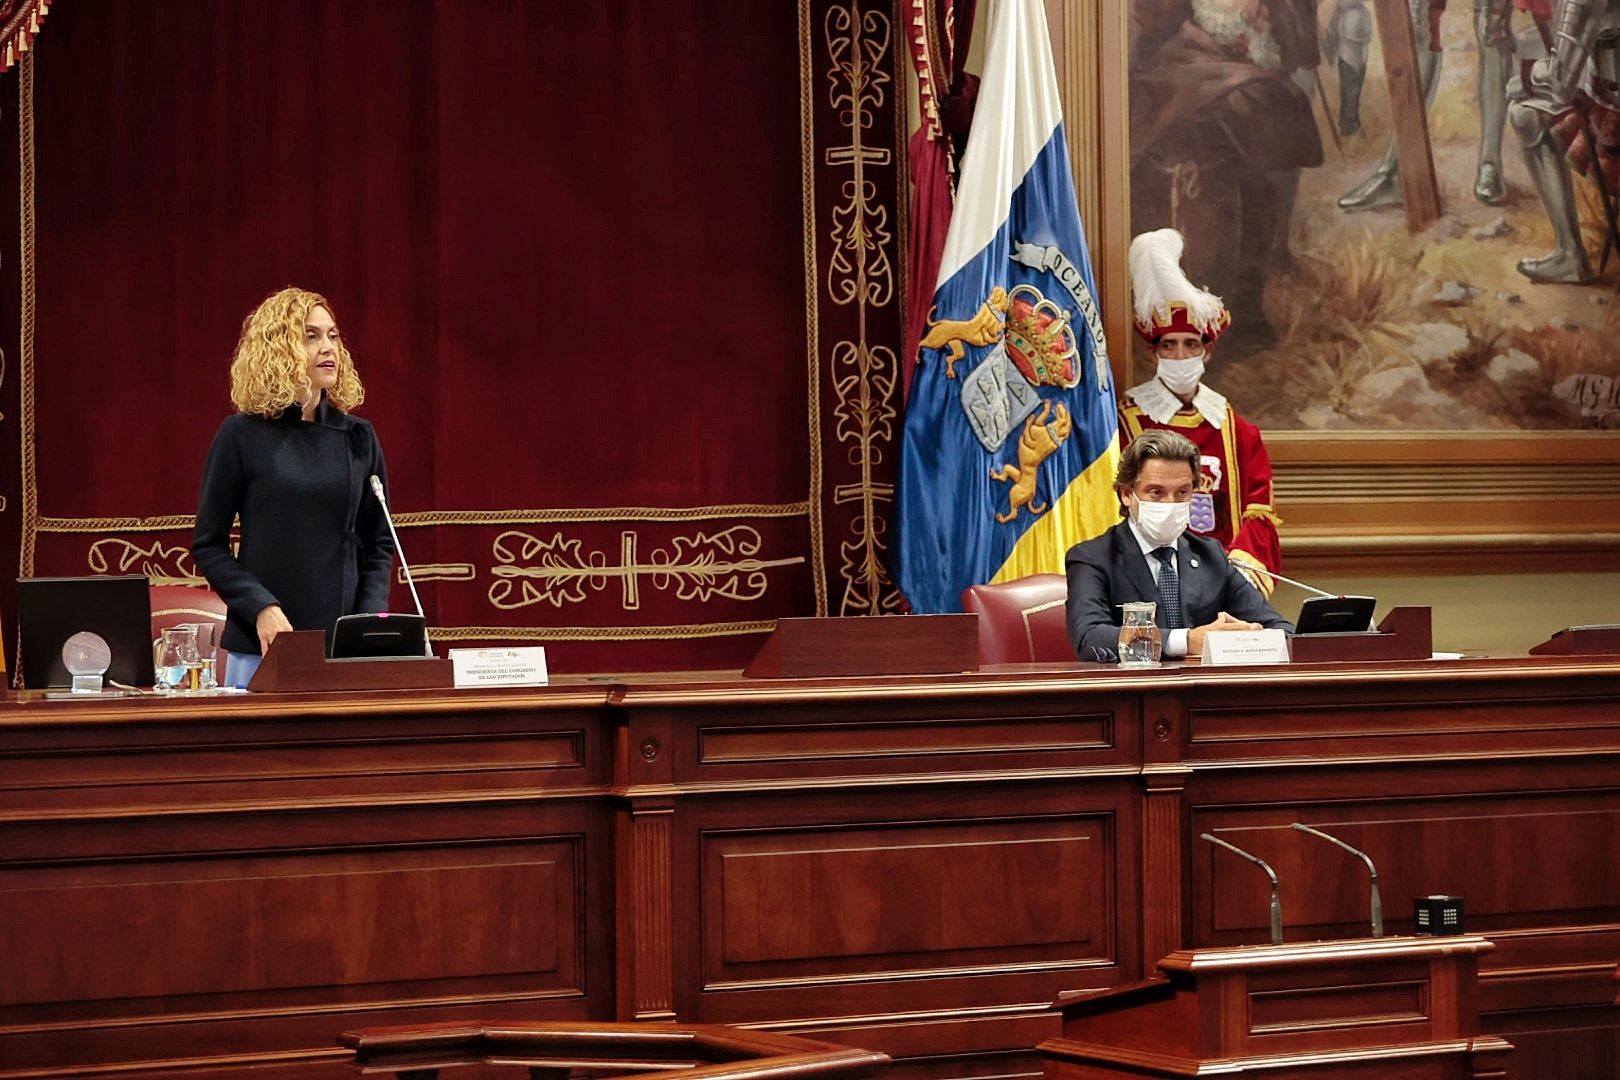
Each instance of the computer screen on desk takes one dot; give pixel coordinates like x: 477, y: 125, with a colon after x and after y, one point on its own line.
x: 118, y: 610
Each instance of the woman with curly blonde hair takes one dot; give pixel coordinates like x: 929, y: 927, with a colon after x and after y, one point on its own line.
x: 295, y: 467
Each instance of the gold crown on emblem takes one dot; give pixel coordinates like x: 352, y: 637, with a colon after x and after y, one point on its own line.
x: 1039, y: 338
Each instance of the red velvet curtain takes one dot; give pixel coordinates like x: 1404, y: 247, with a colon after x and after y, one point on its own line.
x: 572, y: 248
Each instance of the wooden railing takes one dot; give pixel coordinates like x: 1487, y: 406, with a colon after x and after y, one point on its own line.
x: 555, y: 1051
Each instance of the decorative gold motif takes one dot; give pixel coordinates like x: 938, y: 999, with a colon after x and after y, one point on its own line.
x: 1038, y: 442
x: 953, y: 335
x: 457, y: 571
x: 859, y: 272
x: 164, y: 564
x: 557, y: 570
x: 864, y: 380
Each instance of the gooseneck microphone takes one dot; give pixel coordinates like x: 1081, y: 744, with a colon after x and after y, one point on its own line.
x: 1291, y: 581
x: 1276, y: 897
x: 377, y: 490
x: 1377, y: 902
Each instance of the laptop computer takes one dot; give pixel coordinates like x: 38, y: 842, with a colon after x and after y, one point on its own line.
x: 116, y: 609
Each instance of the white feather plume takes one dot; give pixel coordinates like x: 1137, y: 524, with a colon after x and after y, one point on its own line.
x: 1157, y: 281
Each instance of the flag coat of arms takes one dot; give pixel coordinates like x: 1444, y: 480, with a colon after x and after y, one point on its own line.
x: 1010, y: 435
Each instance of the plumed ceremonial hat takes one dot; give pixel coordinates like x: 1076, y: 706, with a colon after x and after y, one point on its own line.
x: 1166, y: 301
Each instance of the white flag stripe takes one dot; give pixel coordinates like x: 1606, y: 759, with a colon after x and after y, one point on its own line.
x: 1017, y: 111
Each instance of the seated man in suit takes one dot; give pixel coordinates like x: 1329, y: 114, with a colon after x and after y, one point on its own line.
x: 1151, y: 556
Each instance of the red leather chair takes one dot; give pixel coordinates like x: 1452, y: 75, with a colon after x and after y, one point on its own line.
x: 1021, y: 621
x: 175, y: 604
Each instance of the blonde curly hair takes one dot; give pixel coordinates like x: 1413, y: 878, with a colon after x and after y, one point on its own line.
x: 270, y: 370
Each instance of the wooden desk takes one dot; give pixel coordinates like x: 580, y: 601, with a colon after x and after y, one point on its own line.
x: 913, y: 865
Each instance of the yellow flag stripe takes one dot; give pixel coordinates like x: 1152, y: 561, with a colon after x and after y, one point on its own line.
x: 1087, y: 507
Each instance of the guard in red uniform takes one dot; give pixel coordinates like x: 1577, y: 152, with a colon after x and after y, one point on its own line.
x: 1182, y: 322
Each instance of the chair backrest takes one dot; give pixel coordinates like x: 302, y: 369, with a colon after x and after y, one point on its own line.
x: 1022, y: 621
x: 176, y: 604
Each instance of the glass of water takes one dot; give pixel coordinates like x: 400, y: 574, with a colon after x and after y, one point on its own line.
x: 1140, y: 643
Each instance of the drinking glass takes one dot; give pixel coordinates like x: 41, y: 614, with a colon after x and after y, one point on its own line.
x: 207, y: 644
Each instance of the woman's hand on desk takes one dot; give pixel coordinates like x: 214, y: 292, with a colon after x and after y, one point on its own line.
x: 271, y: 621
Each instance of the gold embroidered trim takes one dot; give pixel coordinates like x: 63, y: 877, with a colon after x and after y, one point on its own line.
x: 812, y: 316
x: 600, y: 633
x: 213, y: 615
x: 608, y: 514
x: 558, y: 570
x: 25, y: 345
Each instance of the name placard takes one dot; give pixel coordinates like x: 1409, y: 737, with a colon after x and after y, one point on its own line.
x: 523, y: 665
x: 1232, y: 647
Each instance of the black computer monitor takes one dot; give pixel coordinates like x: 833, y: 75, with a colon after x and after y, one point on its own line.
x: 1335, y: 615
x: 116, y: 609
x: 379, y: 634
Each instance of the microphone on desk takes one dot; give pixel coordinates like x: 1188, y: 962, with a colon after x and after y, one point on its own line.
x: 1289, y: 580
x: 1276, y: 897
x: 1377, y: 902
x: 1329, y: 612
x: 382, y: 500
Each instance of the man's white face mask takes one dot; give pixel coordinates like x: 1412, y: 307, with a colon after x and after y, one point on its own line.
x: 1182, y: 376
x: 1161, y: 522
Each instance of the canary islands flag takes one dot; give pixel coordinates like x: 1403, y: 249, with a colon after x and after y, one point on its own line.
x: 1010, y: 446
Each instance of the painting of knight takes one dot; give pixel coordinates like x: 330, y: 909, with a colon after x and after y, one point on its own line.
x: 1265, y: 131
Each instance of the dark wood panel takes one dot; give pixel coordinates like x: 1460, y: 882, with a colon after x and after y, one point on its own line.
x: 1296, y: 1009
x: 905, y: 903
x: 895, y: 896
x: 284, y: 922
x: 231, y: 762
x: 844, y: 741
x: 1528, y: 857
x: 738, y: 742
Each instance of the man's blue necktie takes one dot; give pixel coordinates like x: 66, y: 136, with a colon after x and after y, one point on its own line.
x: 1169, y: 588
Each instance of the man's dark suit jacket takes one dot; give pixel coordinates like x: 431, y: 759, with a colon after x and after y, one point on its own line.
x: 1110, y: 570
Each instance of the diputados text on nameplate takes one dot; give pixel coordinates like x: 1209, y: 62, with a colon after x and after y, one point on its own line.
x: 1230, y: 647
x: 523, y: 665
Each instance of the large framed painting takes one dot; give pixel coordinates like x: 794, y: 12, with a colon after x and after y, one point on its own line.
x: 1410, y: 209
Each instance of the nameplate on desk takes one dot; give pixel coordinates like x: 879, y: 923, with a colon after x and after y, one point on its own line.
x: 1232, y: 647
x: 521, y: 666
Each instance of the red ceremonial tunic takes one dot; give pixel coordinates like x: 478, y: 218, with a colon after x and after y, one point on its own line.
x: 1236, y: 471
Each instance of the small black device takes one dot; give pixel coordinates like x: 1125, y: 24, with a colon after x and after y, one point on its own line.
x: 1437, y: 915
x: 117, y: 609
x: 1335, y: 615
x: 381, y: 633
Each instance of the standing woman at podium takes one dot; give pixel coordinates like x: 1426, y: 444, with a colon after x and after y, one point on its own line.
x: 295, y: 467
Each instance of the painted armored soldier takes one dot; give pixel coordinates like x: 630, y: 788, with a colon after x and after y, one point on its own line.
x: 1350, y: 34
x: 1570, y: 102
x: 1221, y: 130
